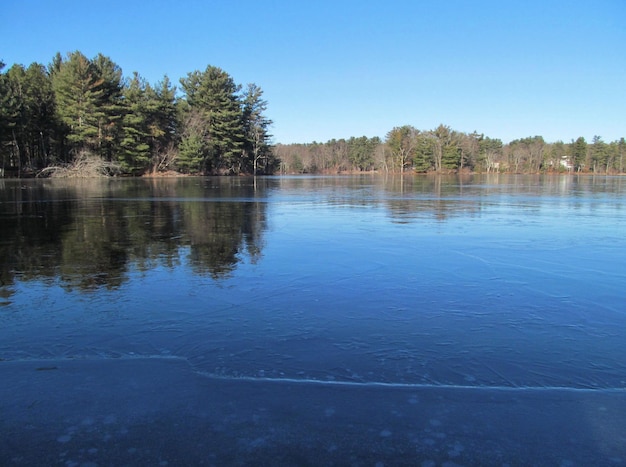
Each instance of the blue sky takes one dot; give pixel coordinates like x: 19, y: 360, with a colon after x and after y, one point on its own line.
x: 335, y: 69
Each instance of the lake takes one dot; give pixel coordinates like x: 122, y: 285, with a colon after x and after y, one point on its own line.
x: 416, y: 316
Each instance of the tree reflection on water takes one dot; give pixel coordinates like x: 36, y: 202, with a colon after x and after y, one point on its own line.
x: 89, y: 233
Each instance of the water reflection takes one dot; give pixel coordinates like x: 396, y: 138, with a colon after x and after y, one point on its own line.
x: 89, y: 233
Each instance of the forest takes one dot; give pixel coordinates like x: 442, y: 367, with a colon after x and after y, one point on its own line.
x: 81, y: 117
x: 444, y: 150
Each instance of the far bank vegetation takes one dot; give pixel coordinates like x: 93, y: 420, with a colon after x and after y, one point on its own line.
x: 443, y: 150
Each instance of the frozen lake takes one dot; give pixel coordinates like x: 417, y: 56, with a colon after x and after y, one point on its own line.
x: 314, y: 320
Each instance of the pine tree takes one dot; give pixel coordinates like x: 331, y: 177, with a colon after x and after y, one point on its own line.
x: 214, y: 95
x: 579, y: 153
x: 4, y: 119
x: 134, y: 154
x: 600, y: 155
x: 255, y: 127
x: 40, y: 108
x: 621, y: 155
x: 13, y: 117
x: 79, y: 95
x: 111, y: 105
x: 193, y: 145
x: 424, y: 153
x: 162, y: 124
x: 361, y: 152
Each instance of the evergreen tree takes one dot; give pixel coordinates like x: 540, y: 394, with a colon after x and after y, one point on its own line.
x: 27, y: 107
x: 579, y: 153
x: 134, y: 154
x: 599, y: 155
x: 621, y: 155
x: 490, y: 152
x: 79, y: 95
x: 613, y: 157
x: 193, y: 151
x: 111, y: 106
x: 423, y: 161
x: 13, y: 117
x: 442, y: 139
x: 40, y: 107
x: 214, y: 96
x: 469, y: 146
x: 451, y: 150
x: 255, y: 127
x: 4, y: 119
x: 162, y: 121
x: 361, y: 152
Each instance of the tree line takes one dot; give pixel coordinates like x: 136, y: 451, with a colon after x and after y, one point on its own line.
x: 82, y: 113
x: 78, y: 108
x: 444, y: 150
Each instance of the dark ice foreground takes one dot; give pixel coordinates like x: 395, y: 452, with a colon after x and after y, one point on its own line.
x: 160, y: 412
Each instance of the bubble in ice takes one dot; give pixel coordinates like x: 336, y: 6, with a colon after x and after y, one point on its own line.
x: 109, y: 419
x: 258, y: 442
x: 456, y: 450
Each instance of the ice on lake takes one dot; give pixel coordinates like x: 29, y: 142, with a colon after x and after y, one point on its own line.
x: 321, y: 320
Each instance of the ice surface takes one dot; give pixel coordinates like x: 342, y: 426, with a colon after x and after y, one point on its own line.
x: 351, y: 320
x: 161, y: 412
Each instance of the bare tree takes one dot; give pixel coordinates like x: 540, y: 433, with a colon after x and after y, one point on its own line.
x: 402, y: 142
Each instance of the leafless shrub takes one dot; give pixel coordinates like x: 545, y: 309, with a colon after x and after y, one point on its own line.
x: 86, y: 165
x: 164, y: 159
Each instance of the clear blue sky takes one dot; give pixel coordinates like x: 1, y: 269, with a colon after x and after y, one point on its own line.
x: 335, y: 69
